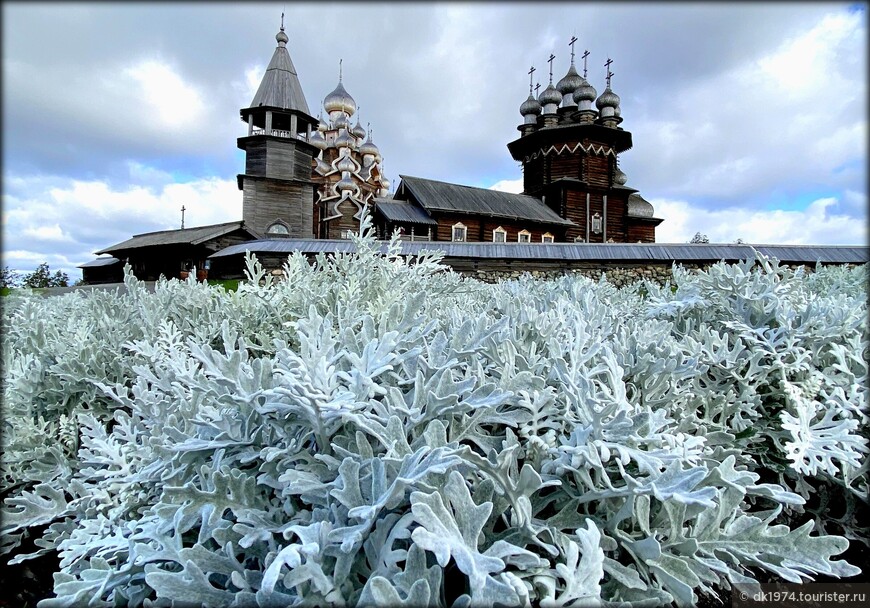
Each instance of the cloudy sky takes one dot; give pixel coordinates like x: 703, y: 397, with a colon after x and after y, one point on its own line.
x: 749, y: 120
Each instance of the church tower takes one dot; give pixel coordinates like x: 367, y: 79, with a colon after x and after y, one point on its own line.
x: 348, y: 170
x: 278, y: 193
x: 569, y: 152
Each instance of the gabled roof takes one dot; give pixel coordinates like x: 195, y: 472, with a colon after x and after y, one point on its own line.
x: 280, y: 86
x: 442, y: 196
x: 402, y: 211
x: 99, y: 262
x: 185, y: 236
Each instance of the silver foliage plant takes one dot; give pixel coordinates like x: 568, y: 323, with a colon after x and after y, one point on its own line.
x: 383, y: 432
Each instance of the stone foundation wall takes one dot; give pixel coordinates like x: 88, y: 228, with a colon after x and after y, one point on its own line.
x: 618, y: 276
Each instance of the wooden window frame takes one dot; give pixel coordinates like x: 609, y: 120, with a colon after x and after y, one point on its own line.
x: 547, y: 238
x: 460, y: 226
x: 500, y: 230
x: 524, y: 233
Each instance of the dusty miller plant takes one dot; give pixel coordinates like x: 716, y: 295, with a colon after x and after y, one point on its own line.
x: 381, y: 431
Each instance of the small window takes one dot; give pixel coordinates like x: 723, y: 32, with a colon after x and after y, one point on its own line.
x: 524, y: 236
x: 277, y: 228
x: 546, y: 238
x: 459, y: 232
x: 596, y: 223
x: 499, y: 235
x: 579, y: 239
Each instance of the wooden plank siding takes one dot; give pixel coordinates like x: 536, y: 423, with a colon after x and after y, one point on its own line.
x: 480, y: 229
x: 266, y: 200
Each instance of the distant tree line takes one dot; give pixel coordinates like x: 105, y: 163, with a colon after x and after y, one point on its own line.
x: 41, y: 277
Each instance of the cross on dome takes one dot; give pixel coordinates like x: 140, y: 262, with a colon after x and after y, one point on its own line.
x: 571, y: 44
x: 585, y: 55
x: 550, y: 60
x: 531, y: 71
x: 609, y: 73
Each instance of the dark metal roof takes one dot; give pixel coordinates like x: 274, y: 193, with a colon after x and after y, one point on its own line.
x: 442, y: 196
x: 614, y: 252
x: 100, y: 262
x: 402, y: 211
x: 186, y: 236
x: 280, y: 87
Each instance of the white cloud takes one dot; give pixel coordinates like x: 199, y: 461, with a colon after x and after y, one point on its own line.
x: 65, y: 224
x: 175, y: 102
x: 818, y: 224
x: 508, y: 185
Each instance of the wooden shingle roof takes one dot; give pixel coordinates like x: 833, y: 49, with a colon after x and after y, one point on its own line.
x: 442, y: 196
x: 280, y: 87
x: 185, y: 236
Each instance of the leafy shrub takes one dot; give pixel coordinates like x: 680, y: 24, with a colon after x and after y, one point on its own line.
x: 382, y: 431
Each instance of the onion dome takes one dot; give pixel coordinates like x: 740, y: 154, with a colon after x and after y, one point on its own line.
x: 550, y: 96
x: 619, y: 177
x: 569, y: 83
x: 339, y: 100
x: 369, y: 147
x: 341, y: 121
x: 638, y: 206
x: 345, y: 183
x: 585, y: 92
x: 344, y: 140
x: 317, y: 140
x: 322, y: 167
x: 385, y: 183
x: 358, y: 131
x: 281, y: 37
x: 346, y: 163
x: 321, y: 125
x: 608, y: 99
x: 530, y: 107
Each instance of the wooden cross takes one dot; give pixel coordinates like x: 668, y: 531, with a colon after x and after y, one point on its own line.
x: 609, y: 73
x: 282, y: 21
x: 571, y: 44
x: 531, y: 71
x: 182, y: 217
x: 585, y: 55
x: 550, y: 60
x: 537, y: 86
x: 339, y: 69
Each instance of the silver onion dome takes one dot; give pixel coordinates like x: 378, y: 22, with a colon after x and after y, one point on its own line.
x: 345, y: 183
x: 369, y: 147
x: 281, y: 37
x: 608, y: 99
x: 346, y: 163
x: 341, y: 121
x: 638, y: 206
x: 550, y: 96
x: 358, y: 131
x: 343, y: 140
x: 530, y: 107
x: 569, y: 83
x: 585, y: 92
x: 619, y: 177
x: 321, y: 124
x: 339, y: 100
x: 317, y: 140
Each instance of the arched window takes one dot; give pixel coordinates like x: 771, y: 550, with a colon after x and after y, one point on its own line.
x: 524, y: 236
x: 499, y: 235
x: 546, y: 238
x: 278, y: 229
x: 459, y: 232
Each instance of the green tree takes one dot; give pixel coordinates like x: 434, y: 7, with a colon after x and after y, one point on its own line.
x: 699, y: 238
x: 42, y: 277
x: 8, y: 278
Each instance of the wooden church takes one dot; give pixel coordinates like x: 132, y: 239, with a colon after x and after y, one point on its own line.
x: 312, y: 178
